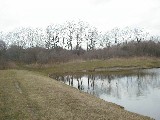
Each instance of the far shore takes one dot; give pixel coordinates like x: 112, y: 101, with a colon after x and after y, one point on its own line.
x: 92, y: 66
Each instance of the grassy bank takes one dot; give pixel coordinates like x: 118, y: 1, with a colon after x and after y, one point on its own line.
x: 27, y: 95
x: 92, y: 65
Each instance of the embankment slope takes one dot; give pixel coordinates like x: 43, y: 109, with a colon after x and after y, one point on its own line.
x: 30, y: 96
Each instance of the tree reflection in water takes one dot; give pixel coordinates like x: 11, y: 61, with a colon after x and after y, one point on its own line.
x: 126, y: 90
x: 113, y: 85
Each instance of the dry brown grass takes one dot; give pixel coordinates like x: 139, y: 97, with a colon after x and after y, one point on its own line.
x: 91, y: 65
x: 26, y: 95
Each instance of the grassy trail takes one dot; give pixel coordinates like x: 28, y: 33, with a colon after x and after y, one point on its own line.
x: 27, y: 95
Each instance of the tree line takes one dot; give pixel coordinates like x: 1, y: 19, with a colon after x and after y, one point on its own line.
x: 74, y: 40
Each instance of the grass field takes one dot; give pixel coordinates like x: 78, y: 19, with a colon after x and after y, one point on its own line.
x: 91, y: 65
x: 26, y: 95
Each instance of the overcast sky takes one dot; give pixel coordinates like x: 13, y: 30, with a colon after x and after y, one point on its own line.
x: 103, y: 14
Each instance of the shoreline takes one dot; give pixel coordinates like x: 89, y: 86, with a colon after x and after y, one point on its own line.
x: 91, y: 66
x: 41, y: 97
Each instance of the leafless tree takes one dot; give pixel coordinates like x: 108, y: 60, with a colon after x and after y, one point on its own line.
x: 70, y: 28
x: 2, y: 54
x: 104, y: 40
x: 140, y: 34
x: 92, y: 38
x: 115, y: 34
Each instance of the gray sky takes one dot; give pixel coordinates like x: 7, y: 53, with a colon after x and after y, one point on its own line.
x: 103, y: 14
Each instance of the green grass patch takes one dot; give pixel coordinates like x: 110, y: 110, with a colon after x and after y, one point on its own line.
x: 91, y: 65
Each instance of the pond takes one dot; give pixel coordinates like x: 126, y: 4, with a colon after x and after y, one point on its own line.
x: 138, y: 92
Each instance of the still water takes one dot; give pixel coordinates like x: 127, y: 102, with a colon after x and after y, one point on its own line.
x: 138, y: 92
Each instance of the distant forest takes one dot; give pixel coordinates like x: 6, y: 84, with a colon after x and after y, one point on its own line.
x: 72, y: 41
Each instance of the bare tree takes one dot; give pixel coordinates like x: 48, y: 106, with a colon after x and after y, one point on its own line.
x: 2, y: 45
x: 126, y: 35
x: 48, y: 44
x: 104, y: 40
x: 2, y: 54
x: 92, y: 39
x: 70, y: 32
x: 80, y: 33
x: 115, y: 34
x: 53, y: 36
x: 140, y: 34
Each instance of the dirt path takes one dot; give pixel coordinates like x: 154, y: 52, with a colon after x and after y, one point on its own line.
x: 29, y: 96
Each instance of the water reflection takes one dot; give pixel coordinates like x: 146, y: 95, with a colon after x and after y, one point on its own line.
x: 130, y: 91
